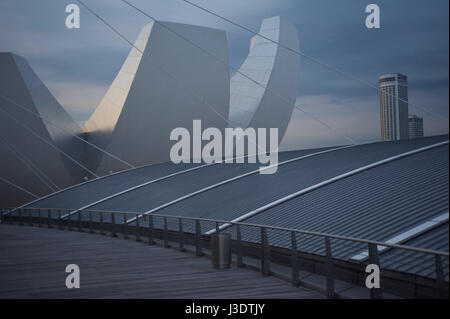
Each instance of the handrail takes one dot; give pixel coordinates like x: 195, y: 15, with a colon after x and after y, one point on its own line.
x: 299, y: 231
x: 46, y: 217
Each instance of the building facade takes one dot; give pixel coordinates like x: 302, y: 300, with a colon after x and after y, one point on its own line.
x: 415, y: 126
x: 394, y: 107
x: 174, y: 74
x: 269, y: 102
x: 39, y: 151
x: 167, y: 83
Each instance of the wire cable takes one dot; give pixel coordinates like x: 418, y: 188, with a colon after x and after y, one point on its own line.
x: 192, y: 93
x: 48, y: 179
x: 48, y: 143
x: 325, y: 65
x: 240, y: 72
x: 61, y: 128
x: 36, y: 172
x: 18, y: 187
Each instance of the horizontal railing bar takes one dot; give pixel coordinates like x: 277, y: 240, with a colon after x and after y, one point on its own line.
x: 299, y: 231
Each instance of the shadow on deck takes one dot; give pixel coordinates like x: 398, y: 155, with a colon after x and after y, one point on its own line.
x: 33, y: 262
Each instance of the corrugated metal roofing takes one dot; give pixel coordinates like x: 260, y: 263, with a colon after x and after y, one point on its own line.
x: 95, y: 190
x: 377, y: 204
x: 412, y: 262
x: 233, y: 200
x: 153, y: 195
x: 85, y: 193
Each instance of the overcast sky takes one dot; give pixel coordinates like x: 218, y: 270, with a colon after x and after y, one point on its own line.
x: 78, y: 65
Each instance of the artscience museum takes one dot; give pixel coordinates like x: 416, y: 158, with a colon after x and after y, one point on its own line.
x: 174, y: 74
x: 153, y: 164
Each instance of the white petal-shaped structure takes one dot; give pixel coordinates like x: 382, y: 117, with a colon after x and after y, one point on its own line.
x: 166, y: 82
x: 274, y: 67
x: 168, y: 86
x: 26, y: 160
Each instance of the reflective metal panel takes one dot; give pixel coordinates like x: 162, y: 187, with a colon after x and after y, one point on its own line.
x: 272, y: 67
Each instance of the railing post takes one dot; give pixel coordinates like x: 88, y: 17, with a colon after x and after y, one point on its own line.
x: 69, y: 221
x: 39, y: 218
x: 6, y: 220
x: 295, y: 280
x: 11, y: 220
x: 180, y: 235
x: 49, y: 218
x: 265, y: 253
x: 138, y: 238
x: 330, y: 269
x: 240, y: 263
x: 30, y: 218
x: 90, y: 222
x: 198, y: 238
x: 217, y: 228
x: 101, y: 224
x: 166, y: 233
x: 20, y: 217
x: 375, y: 293
x: 59, y: 219
x: 150, y: 230
x: 440, y: 278
x: 113, y: 224
x: 80, y: 228
x: 125, y: 226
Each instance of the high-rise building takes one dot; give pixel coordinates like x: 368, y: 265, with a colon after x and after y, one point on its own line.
x: 415, y: 126
x: 394, y: 106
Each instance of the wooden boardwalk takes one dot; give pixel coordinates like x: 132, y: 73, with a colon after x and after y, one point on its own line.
x: 33, y: 262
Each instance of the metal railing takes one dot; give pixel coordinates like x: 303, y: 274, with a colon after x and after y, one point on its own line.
x: 318, y: 254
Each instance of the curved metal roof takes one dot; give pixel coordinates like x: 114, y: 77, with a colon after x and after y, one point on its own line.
x: 380, y: 191
x: 379, y: 203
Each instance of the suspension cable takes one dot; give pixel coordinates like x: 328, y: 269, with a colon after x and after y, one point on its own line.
x: 48, y: 143
x: 18, y: 187
x: 240, y: 72
x: 26, y: 161
x: 63, y: 129
x: 312, y: 59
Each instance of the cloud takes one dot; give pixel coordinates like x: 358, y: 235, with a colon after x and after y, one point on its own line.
x: 78, y: 65
x: 350, y: 119
x: 79, y: 99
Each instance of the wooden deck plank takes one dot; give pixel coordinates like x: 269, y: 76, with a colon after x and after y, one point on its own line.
x: 33, y: 261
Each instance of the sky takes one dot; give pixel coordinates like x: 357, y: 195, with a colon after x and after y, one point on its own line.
x: 78, y: 65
